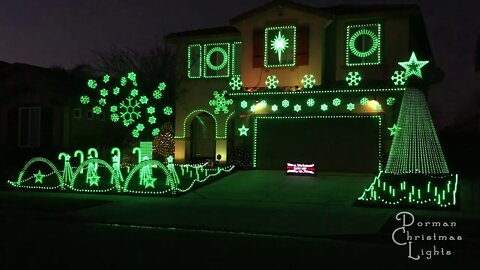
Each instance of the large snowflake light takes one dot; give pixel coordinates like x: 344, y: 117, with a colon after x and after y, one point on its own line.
x: 353, y: 78
x: 236, y: 82
x: 308, y: 81
x: 220, y: 102
x: 279, y: 44
x: 271, y: 82
x: 129, y: 111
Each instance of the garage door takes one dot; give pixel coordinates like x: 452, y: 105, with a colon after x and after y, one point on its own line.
x: 333, y: 143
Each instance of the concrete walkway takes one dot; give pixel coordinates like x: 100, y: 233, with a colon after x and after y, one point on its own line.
x: 258, y: 202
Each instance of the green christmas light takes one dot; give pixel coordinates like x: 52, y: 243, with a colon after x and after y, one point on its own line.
x: 97, y: 110
x: 337, y: 102
x: 308, y: 81
x: 280, y: 41
x: 104, y: 92
x: 84, y: 100
x: 224, y: 62
x: 310, y: 102
x: 271, y: 82
x: 297, y: 108
x: 356, y: 54
x: 116, y: 90
x: 134, y: 92
x: 394, y: 130
x: 151, y: 110
x: 39, y: 177
x: 350, y: 106
x: 113, y: 108
x: 216, y: 70
x: 114, y: 117
x: 193, y: 60
x: 129, y: 111
x: 413, y: 66
x: 106, y: 78
x: 235, y: 82
x: 135, y: 133
x: 353, y: 78
x: 274, y: 107
x: 324, y: 107
x: 220, y: 102
x: 92, y: 84
x: 243, y: 131
x: 364, y: 101
x: 279, y: 45
x: 102, y: 102
x: 143, y: 100
x: 155, y: 132
x: 168, y: 110
x: 123, y: 81
x: 398, y: 77
x: 244, y: 104
x: 390, y: 101
x: 285, y: 103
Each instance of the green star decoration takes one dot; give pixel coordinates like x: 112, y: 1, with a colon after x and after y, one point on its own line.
x: 93, y: 180
x: 394, y: 130
x: 157, y: 94
x: 413, y: 66
x: 274, y: 107
x: 170, y: 159
x: 115, y: 117
x: 97, y: 110
x: 364, y: 101
x: 102, y: 102
x: 243, y: 131
x: 279, y: 45
x: 336, y: 102
x: 310, y: 102
x: 390, y: 101
x: 92, y: 84
x: 297, y: 108
x: 350, y: 106
x: 149, y: 182
x: 39, y: 177
x: 134, y: 92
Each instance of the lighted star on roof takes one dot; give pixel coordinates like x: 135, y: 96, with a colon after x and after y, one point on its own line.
x: 413, y: 66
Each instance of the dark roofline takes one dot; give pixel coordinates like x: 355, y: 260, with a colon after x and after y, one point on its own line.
x: 207, y: 31
x: 340, y: 10
x: 283, y: 3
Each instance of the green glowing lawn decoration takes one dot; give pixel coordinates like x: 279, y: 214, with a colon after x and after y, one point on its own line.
x: 398, y: 77
x: 308, y: 81
x: 129, y: 111
x: 279, y: 44
x: 350, y: 106
x: 337, y: 102
x: 353, y: 78
x: 243, y: 131
x: 244, y: 104
x: 39, y: 177
x: 271, y: 82
x: 220, y: 102
x: 235, y: 82
x: 413, y: 66
x: 168, y: 110
x: 297, y: 108
x: 310, y: 102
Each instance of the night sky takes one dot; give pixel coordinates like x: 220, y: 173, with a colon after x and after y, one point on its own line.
x: 64, y: 32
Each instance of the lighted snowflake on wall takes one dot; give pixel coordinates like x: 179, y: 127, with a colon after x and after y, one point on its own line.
x: 84, y: 99
x: 236, y: 83
x: 129, y: 111
x: 398, y: 77
x: 168, y: 110
x: 353, y: 78
x: 244, y: 104
x: 308, y: 81
x: 350, y: 106
x: 336, y: 102
x: 390, y: 101
x: 324, y: 107
x: 285, y: 103
x: 274, y: 107
x: 271, y: 82
x: 220, y: 102
x: 297, y: 107
x: 364, y: 101
x: 310, y: 102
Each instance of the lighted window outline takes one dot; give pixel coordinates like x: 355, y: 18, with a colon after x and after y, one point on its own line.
x: 267, y: 46
x: 269, y: 117
x: 211, y: 46
x: 351, y: 32
x: 190, y: 61
x: 234, y: 55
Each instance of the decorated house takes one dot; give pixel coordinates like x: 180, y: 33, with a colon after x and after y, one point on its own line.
x: 291, y: 83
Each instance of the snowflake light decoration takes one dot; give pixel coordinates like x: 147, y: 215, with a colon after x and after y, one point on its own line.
x: 274, y: 107
x: 324, y: 107
x: 129, y: 111
x: 168, y: 110
x: 350, y: 106
x: 279, y: 44
x: 308, y: 81
x: 162, y: 86
x: 364, y: 101
x: 143, y: 99
x: 244, y: 104
x: 116, y: 90
x: 134, y: 92
x: 390, y: 101
x: 113, y: 108
x: 152, y: 119
x: 236, y: 82
x: 106, y: 78
x: 271, y: 82
x: 353, y: 78
x: 102, y: 102
x: 92, y: 84
x: 84, y: 99
x: 398, y: 77
x: 220, y: 102
x: 97, y: 110
x: 253, y: 108
x: 336, y: 102
x: 297, y: 108
x: 141, y: 127
x: 123, y: 81
x: 157, y: 94
x: 151, y: 110
x: 310, y: 102
x: 285, y: 103
x: 104, y: 92
x: 114, y: 117
x: 135, y: 133
x: 155, y: 132
x: 132, y: 76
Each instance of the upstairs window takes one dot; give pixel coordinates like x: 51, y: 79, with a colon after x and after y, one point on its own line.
x: 194, y: 61
x: 217, y: 60
x: 236, y: 58
x: 280, y: 46
x: 363, y: 44
x: 29, y: 126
